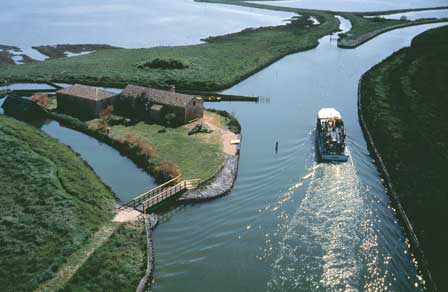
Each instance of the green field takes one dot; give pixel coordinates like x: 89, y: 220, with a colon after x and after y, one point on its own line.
x: 52, y: 206
x: 197, y: 156
x: 405, y: 102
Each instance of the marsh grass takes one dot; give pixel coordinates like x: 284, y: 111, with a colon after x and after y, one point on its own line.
x: 405, y: 102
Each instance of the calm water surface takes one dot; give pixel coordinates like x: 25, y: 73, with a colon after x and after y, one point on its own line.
x: 116, y: 171
x: 291, y: 224
x: 357, y: 5
x: 124, y: 23
x: 442, y: 13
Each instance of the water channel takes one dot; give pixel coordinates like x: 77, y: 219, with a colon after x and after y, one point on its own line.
x: 291, y: 224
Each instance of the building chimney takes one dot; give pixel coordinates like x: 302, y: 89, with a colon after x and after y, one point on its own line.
x: 173, y: 88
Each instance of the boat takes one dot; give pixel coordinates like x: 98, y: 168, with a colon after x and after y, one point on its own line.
x: 330, y: 136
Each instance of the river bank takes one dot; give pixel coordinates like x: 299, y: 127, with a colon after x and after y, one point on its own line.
x: 56, y: 216
x: 402, y: 105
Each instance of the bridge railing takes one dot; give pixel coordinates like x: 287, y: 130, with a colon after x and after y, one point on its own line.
x: 164, y: 195
x: 138, y: 200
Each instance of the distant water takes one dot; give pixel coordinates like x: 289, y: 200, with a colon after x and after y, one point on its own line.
x: 442, y: 13
x: 356, y: 5
x: 124, y: 23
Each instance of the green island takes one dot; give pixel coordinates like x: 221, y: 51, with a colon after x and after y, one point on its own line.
x: 70, y: 232
x: 404, y: 102
x: 215, y: 65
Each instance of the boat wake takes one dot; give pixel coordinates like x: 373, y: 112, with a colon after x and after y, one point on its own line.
x: 328, y: 239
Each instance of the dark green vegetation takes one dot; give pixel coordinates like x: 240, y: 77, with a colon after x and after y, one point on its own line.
x: 51, y: 204
x: 405, y: 102
x: 115, y: 266
x: 59, y: 51
x: 218, y: 64
x: 159, y: 63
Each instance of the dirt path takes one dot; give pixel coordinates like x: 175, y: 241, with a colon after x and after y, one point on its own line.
x: 226, y: 135
x: 126, y: 215
x: 78, y: 258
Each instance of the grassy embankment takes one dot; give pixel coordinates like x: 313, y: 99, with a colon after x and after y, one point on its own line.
x: 115, y: 266
x: 405, y: 102
x: 197, y: 156
x: 365, y: 29
x: 53, y: 205
x: 217, y: 64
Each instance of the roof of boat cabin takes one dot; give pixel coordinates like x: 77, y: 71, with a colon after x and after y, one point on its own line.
x: 328, y: 113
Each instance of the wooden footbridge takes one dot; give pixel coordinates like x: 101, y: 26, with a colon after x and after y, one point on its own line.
x: 161, y: 193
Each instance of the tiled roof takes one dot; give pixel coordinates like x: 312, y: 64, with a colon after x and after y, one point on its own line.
x: 87, y: 92
x: 158, y: 96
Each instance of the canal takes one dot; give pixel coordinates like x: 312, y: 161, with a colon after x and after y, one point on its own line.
x: 291, y: 224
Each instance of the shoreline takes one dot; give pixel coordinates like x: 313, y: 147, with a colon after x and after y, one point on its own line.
x: 354, y: 43
x: 395, y: 199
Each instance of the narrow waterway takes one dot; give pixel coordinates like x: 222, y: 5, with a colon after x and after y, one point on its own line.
x: 118, y: 172
x: 291, y: 224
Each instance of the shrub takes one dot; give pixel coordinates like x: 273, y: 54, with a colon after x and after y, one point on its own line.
x: 159, y: 63
x: 165, y: 170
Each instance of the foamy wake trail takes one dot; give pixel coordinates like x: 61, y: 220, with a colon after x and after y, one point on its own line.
x: 319, y: 248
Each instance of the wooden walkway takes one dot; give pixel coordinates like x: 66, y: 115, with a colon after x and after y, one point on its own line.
x: 161, y: 193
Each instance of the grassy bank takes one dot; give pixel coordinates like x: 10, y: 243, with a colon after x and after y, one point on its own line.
x: 404, y: 102
x: 51, y: 204
x: 217, y: 64
x: 365, y: 29
x: 115, y: 266
x: 53, y: 210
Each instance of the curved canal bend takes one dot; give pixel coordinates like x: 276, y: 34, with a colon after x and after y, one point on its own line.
x: 291, y: 224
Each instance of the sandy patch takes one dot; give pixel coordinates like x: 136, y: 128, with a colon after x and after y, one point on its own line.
x: 126, y: 215
x: 226, y: 135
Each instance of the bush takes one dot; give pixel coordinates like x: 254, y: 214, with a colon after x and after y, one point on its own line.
x: 159, y: 63
x: 165, y: 170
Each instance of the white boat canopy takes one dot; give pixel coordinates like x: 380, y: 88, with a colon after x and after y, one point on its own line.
x: 328, y: 113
